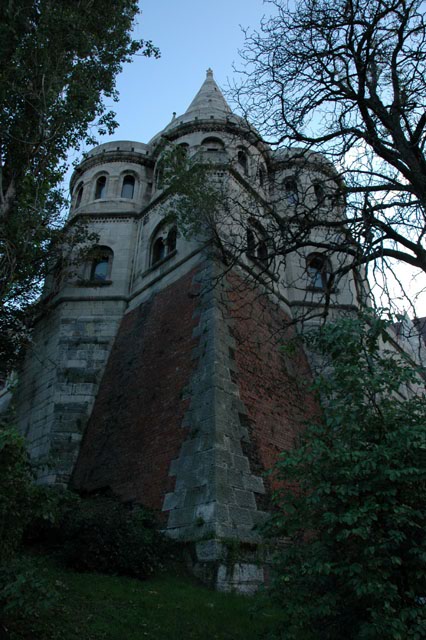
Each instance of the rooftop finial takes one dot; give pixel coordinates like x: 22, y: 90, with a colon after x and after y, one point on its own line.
x: 209, y: 73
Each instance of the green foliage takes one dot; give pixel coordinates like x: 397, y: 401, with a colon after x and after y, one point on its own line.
x: 59, y: 65
x: 16, y: 491
x: 25, y: 590
x: 197, y: 199
x: 99, y: 607
x: 50, y: 506
x: 353, y: 496
x: 102, y: 534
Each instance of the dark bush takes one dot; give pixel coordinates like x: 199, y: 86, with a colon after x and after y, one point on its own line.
x: 16, y: 491
x: 25, y: 590
x: 102, y: 534
x: 50, y: 507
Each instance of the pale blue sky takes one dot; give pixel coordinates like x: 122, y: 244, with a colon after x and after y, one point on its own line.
x: 192, y: 36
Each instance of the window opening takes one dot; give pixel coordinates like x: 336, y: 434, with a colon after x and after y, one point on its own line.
x: 262, y: 252
x: 100, y: 188
x: 318, y: 270
x: 100, y: 264
x: 291, y: 193
x: 171, y: 240
x: 158, y: 250
x: 251, y: 242
x: 79, y: 196
x: 212, y: 144
x: 128, y: 188
x: 243, y: 161
x: 164, y: 244
x: 262, y: 176
x: 319, y: 193
x: 159, y: 177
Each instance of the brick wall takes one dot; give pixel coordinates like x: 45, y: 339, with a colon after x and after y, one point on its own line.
x: 273, y: 384
x: 135, y: 428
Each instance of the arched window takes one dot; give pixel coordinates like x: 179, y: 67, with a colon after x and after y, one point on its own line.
x: 243, y: 161
x: 319, y: 193
x: 100, y: 190
x: 159, y: 176
x: 79, y: 196
x: 100, y: 264
x: 163, y: 244
x: 251, y: 243
x: 257, y: 247
x: 318, y: 269
x: 212, y: 144
x: 128, y: 187
x: 171, y: 240
x: 262, y: 176
x: 262, y: 252
x: 158, y: 250
x: 291, y: 192
x: 338, y: 199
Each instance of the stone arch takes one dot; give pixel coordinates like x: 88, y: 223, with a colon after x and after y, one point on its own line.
x: 163, y: 243
x: 318, y: 270
x: 99, y: 264
x: 100, y: 186
x: 213, y: 144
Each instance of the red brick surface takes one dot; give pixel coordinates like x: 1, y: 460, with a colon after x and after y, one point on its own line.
x: 135, y: 428
x: 273, y: 384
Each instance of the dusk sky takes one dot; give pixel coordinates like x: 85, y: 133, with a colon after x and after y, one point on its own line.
x: 192, y: 35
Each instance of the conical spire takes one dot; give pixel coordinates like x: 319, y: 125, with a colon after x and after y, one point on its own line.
x: 209, y: 99
x: 208, y: 104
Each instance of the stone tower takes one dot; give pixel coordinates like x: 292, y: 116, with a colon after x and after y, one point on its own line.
x: 156, y: 372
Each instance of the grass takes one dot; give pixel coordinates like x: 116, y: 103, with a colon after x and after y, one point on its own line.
x: 98, y: 607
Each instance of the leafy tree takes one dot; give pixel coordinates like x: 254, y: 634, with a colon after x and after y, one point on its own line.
x: 347, y: 78
x: 353, y: 494
x: 59, y: 64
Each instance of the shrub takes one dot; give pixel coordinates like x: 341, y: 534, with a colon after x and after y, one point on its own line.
x: 102, y: 534
x: 50, y: 506
x: 16, y: 491
x: 353, y: 495
x: 24, y: 590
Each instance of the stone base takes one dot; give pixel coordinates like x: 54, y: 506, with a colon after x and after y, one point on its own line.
x: 229, y: 565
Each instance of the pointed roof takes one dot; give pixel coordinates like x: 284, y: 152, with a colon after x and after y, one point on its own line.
x: 209, y: 99
x: 208, y: 104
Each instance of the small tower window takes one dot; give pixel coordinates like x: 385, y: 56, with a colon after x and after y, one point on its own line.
x: 159, y: 177
x: 257, y: 247
x: 100, y: 190
x: 262, y: 176
x: 158, y: 250
x: 262, y: 252
x: 212, y: 144
x: 79, y: 196
x: 100, y: 269
x: 100, y: 264
x: 251, y: 243
x: 243, y: 161
x: 128, y: 188
x: 164, y: 244
x: 319, y: 193
x: 171, y: 240
x: 318, y: 270
x: 291, y: 192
